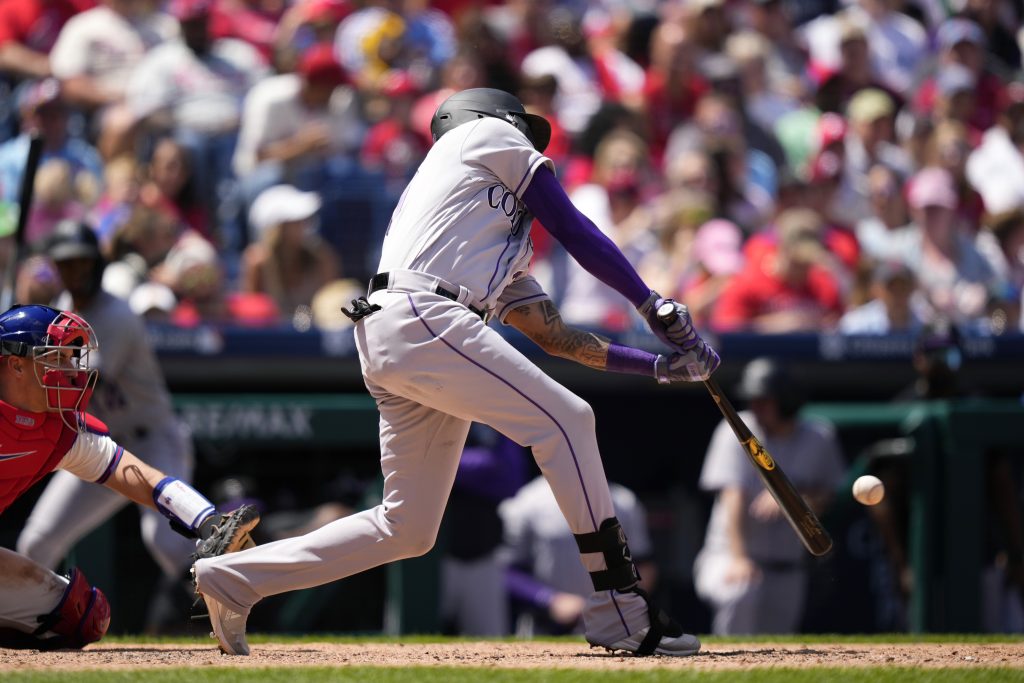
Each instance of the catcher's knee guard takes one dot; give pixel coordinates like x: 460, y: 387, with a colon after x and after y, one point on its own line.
x: 610, y: 541
x: 81, y: 617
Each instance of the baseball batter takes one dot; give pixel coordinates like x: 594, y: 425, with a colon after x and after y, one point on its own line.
x: 131, y: 398
x: 456, y: 253
x: 46, y: 380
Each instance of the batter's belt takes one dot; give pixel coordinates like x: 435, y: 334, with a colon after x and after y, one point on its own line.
x: 415, y: 281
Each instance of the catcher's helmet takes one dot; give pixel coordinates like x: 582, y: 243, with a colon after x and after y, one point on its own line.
x: 476, y: 103
x: 60, y: 345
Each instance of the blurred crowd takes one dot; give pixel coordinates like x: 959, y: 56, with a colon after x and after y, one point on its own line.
x: 779, y: 166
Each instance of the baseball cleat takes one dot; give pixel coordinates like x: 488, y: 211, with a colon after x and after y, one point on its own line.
x: 682, y: 645
x: 623, y: 620
x: 228, y: 628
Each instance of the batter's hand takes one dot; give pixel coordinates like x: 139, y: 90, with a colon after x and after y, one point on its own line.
x: 680, y: 334
x: 227, y: 533
x: 693, y: 366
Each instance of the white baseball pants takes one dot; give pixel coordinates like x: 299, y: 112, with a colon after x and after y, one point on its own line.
x: 433, y: 367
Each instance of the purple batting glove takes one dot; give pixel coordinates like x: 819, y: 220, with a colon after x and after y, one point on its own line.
x: 679, y: 334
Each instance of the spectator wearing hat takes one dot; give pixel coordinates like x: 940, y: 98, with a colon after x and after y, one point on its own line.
x: 716, y: 256
x: 870, y: 140
x: 304, y: 129
x: 840, y: 60
x: 956, y: 279
x: 287, y: 259
x: 787, y: 289
x: 842, y: 251
x: 962, y: 43
x: 44, y: 111
x: 293, y: 123
x: 393, y: 145
x: 751, y: 569
x: 894, y: 306
x: 28, y: 30
x: 999, y: 23
x: 193, y: 89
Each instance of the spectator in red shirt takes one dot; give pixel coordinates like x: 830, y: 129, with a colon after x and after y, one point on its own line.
x: 788, y: 290
x: 28, y: 29
x: 392, y: 145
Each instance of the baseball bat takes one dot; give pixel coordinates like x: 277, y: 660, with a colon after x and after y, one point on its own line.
x: 28, y: 182
x: 800, y: 516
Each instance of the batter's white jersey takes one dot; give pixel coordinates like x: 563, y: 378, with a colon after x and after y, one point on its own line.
x: 462, y: 216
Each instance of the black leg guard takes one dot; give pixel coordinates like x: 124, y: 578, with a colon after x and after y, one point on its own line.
x: 610, y: 541
x: 621, y: 575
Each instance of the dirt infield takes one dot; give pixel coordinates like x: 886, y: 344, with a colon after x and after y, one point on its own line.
x: 523, y: 655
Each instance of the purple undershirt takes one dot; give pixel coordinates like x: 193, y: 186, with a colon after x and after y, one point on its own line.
x: 627, y: 359
x: 589, y: 246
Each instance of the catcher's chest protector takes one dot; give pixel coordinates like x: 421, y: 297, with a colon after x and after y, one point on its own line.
x: 31, y: 446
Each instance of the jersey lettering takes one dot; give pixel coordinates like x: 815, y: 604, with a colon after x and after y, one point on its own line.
x: 500, y: 198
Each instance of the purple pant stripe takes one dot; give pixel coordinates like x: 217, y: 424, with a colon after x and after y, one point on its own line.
x: 579, y: 472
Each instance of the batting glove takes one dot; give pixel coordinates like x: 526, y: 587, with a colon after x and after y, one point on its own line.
x: 695, y: 365
x: 680, y: 333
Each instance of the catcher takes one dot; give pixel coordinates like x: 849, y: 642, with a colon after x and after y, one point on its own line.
x: 45, y: 383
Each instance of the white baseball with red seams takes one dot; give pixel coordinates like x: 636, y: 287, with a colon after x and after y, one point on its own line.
x: 868, y: 490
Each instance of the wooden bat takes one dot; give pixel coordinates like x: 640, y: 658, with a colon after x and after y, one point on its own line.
x: 28, y: 181
x: 803, y: 520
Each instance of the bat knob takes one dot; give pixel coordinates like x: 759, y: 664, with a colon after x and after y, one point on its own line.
x: 667, y: 312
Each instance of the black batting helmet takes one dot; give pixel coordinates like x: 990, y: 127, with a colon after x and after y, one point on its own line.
x: 768, y: 378
x: 476, y: 103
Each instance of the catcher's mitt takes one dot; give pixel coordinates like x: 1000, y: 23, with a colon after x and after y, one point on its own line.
x: 227, y: 533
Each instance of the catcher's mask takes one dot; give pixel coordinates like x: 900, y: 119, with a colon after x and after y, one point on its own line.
x: 60, y: 345
x: 476, y: 103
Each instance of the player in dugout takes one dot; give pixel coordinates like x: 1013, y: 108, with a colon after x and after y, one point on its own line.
x: 457, y: 253
x: 45, y: 384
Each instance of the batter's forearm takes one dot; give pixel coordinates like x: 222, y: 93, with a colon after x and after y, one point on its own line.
x: 542, y: 323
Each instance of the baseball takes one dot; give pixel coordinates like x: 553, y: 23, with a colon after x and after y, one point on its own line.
x: 868, y: 490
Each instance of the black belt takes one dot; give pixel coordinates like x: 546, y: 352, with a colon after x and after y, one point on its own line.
x: 380, y: 281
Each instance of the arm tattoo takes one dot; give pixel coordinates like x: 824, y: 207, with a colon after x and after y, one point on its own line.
x: 550, y: 332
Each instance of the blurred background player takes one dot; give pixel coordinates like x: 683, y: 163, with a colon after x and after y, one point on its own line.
x: 131, y: 398
x: 750, y: 570
x: 46, y: 381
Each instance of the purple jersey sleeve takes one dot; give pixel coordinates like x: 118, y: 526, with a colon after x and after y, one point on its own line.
x: 589, y: 246
x: 522, y: 586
